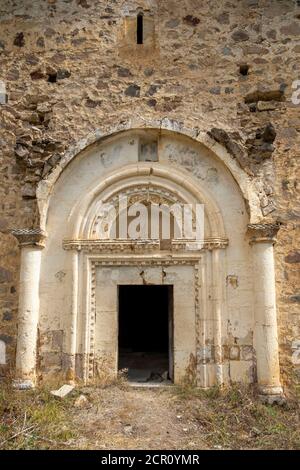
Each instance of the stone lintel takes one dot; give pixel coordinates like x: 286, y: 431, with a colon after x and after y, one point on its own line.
x: 30, y: 237
x: 147, y: 245
x: 260, y: 233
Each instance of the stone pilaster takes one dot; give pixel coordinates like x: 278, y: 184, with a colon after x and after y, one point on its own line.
x: 72, y: 334
x: 31, y: 243
x: 262, y: 239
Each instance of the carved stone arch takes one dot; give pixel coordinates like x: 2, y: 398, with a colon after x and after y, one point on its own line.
x: 178, y: 184
x: 244, y: 181
x: 145, y: 195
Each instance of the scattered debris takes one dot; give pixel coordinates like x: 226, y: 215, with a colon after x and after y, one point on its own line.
x: 81, y: 401
x: 63, y: 391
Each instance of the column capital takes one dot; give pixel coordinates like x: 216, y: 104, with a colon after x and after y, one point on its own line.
x: 260, y: 233
x: 30, y: 237
x: 215, y: 243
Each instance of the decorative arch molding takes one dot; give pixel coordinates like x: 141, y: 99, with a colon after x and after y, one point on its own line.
x: 158, y: 177
x: 244, y: 181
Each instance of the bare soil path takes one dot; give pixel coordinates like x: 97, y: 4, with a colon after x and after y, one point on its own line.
x: 138, y: 419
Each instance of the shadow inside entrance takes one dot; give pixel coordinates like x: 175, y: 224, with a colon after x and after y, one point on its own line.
x: 145, y: 332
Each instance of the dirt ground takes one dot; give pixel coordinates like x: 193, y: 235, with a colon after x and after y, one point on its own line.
x: 122, y: 417
x: 139, y: 419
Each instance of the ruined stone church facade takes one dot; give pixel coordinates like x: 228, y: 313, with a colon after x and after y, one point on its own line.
x: 166, y: 102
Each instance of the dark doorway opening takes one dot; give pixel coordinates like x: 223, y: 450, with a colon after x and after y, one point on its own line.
x: 146, y: 332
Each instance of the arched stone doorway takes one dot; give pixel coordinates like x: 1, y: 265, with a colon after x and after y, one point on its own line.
x: 224, y: 314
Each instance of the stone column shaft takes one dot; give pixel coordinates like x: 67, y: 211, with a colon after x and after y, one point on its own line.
x: 265, y: 329
x: 31, y: 243
x: 219, y: 309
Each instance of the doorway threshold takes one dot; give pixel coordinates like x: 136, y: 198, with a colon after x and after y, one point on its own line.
x: 165, y: 384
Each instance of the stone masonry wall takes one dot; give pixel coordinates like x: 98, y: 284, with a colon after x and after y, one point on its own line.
x: 226, y: 68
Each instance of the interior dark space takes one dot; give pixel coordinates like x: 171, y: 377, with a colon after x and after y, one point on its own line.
x: 145, y: 332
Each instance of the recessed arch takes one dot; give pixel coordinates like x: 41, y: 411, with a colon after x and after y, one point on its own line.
x: 244, y: 181
x: 155, y: 175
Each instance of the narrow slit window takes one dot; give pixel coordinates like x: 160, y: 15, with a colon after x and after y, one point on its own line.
x: 140, y: 28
